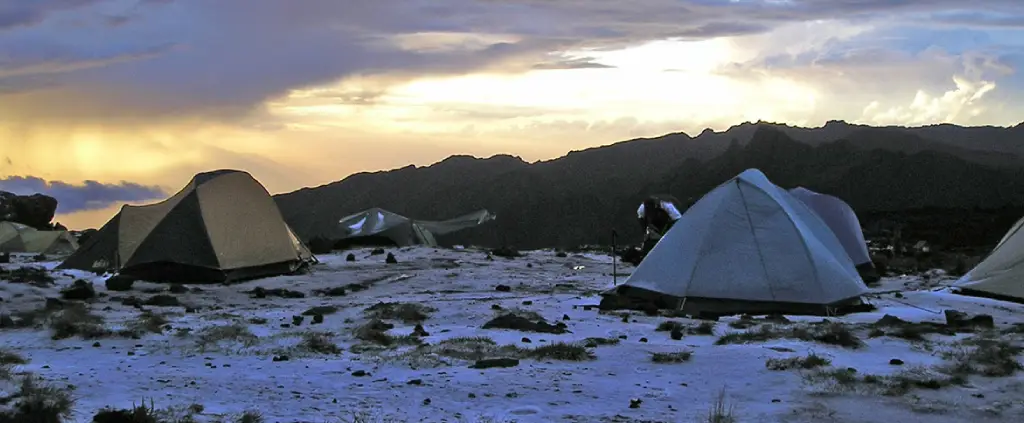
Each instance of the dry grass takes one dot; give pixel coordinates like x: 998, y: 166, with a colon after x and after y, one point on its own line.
x: 319, y: 342
x: 811, y: 361
x: 984, y: 356
x: 77, y: 320
x: 530, y: 315
x: 594, y: 341
x: 831, y: 333
x: 405, y: 312
x: 720, y: 411
x: 848, y: 380
x: 214, y: 337
x: 37, y: 402
x: 561, y: 351
x: 10, y: 357
x: 671, y: 357
x: 150, y: 414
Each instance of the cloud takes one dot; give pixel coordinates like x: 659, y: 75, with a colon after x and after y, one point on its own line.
x: 17, y: 13
x: 235, y: 54
x: 90, y: 195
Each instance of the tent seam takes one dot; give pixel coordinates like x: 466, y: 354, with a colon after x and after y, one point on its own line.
x: 803, y: 242
x: 753, y: 234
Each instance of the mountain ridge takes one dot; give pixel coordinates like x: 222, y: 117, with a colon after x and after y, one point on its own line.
x: 577, y: 198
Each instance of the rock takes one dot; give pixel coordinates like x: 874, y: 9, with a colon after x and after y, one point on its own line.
x: 177, y: 288
x: 495, y: 307
x: 162, y: 300
x: 79, y: 290
x: 643, y: 339
x: 54, y: 304
x: 503, y: 288
x: 676, y: 334
x: 376, y: 251
x: 350, y: 257
x: 359, y: 373
x: 96, y: 345
x: 635, y: 403
x: 959, y: 319
x: 119, y: 283
x: 561, y: 254
x: 530, y: 265
x: 419, y: 331
x: 390, y: 259
x: 506, y: 252
x: 527, y: 302
x: 318, y: 319
x: 495, y: 362
x: 36, y: 210
x: 415, y: 382
x: 526, y: 340
x: 426, y: 401
x: 280, y: 358
x: 565, y: 317
x: 516, y: 322
x: 297, y: 320
x: 896, y: 362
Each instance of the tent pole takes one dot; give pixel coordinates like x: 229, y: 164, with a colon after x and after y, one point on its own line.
x: 615, y: 272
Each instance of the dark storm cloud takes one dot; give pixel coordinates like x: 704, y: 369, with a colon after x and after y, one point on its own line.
x: 90, y: 195
x: 233, y: 55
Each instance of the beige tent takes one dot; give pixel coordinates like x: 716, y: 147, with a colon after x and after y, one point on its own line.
x: 18, y: 238
x: 1001, y: 274
x: 223, y: 226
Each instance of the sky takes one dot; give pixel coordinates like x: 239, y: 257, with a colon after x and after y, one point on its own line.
x: 107, y: 102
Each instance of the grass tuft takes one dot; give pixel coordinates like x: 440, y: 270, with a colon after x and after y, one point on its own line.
x: 809, y: 362
x: 405, y: 312
x: 672, y: 357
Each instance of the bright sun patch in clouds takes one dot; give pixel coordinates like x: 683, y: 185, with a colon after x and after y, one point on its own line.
x: 304, y: 93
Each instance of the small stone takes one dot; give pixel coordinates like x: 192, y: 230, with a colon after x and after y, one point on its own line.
x: 390, y: 259
x: 318, y: 319
x: 527, y: 302
x: 503, y: 288
x: 526, y: 340
x: 415, y: 382
x: 565, y: 317
x: 359, y: 373
x: 896, y: 362
x: 635, y: 403
x: 95, y: 344
x: 643, y: 339
x: 350, y: 257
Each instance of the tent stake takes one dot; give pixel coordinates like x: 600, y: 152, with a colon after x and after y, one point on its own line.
x: 615, y: 271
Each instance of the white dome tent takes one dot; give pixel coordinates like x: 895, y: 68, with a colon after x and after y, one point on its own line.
x: 843, y: 221
x: 1001, y: 274
x: 748, y: 246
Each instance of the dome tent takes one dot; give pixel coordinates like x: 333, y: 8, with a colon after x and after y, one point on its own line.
x: 222, y: 226
x: 748, y: 246
x: 377, y: 226
x: 19, y: 238
x: 843, y: 222
x: 1001, y: 274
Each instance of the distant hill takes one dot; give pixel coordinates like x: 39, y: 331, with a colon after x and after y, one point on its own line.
x: 579, y: 198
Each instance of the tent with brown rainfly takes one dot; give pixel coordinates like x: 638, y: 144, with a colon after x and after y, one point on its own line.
x: 223, y: 226
x: 18, y: 238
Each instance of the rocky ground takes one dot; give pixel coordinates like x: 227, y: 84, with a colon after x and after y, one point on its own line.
x: 458, y: 336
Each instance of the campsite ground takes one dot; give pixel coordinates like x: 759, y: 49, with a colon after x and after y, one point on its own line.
x: 221, y: 350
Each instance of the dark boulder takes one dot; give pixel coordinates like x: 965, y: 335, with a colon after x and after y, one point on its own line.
x: 36, y: 210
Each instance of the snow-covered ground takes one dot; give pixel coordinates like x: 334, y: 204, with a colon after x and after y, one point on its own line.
x: 205, y: 358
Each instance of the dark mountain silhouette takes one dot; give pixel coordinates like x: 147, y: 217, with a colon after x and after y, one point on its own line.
x: 577, y: 199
